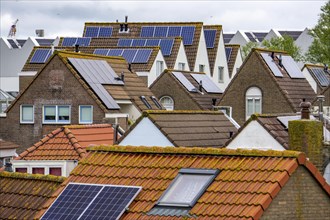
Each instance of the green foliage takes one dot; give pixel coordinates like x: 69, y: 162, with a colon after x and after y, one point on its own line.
x: 247, y: 48
x: 285, y: 43
x: 319, y: 51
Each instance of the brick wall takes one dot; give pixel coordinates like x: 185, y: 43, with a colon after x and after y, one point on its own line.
x: 254, y: 74
x: 167, y: 86
x: 24, y: 81
x: 301, y: 198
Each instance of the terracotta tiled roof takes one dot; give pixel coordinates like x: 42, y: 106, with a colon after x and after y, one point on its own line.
x: 246, y: 185
x: 232, y: 58
x: 212, y: 52
x: 22, y: 195
x: 69, y: 142
x: 7, y: 145
x: 191, y: 128
x: 135, y: 30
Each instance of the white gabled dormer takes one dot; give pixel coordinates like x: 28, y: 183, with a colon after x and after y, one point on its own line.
x: 239, y: 38
x: 272, y: 33
x: 157, y: 68
x: 181, y: 62
x: 202, y: 61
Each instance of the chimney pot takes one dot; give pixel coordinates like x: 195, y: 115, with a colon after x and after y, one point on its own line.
x: 76, y: 49
x: 305, y: 109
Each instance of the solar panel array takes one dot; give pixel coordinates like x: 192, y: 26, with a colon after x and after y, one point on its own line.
x: 98, y: 31
x: 210, y: 38
x: 228, y: 52
x: 91, y: 201
x: 131, y: 55
x: 271, y: 64
x: 186, y: 32
x: 72, y: 41
x: 184, y: 81
x: 291, y: 67
x: 207, y: 83
x: 166, y: 45
x: 96, y: 73
x: 41, y: 55
x: 321, y: 76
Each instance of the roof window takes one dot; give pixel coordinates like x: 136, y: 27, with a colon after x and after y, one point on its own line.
x: 153, y: 98
x: 144, y: 100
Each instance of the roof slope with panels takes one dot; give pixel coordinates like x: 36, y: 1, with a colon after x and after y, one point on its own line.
x: 293, y: 34
x: 23, y: 195
x: 247, y: 183
x: 135, y: 29
x: 69, y: 142
x: 191, y: 128
x: 320, y: 75
x: 231, y: 54
x: 212, y: 34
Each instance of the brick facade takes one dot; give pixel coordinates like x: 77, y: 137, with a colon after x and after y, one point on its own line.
x: 24, y: 81
x: 301, y: 198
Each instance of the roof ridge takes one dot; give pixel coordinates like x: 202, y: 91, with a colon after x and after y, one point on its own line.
x: 17, y: 175
x: 82, y: 126
x: 269, y: 50
x: 148, y: 112
x: 74, y: 142
x: 199, y: 150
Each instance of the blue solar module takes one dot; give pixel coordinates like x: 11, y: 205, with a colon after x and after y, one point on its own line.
x: 103, y: 52
x: 291, y: 67
x: 92, y: 31
x: 210, y: 38
x: 142, y: 56
x: 321, y: 76
x: 188, y: 33
x: 40, y: 56
x: 152, y: 42
x: 138, y: 42
x: 129, y: 54
x: 124, y: 42
x: 92, y: 201
x: 147, y: 31
x: 207, y: 83
x: 166, y: 46
x: 161, y: 31
x: 69, y: 41
x: 271, y: 64
x: 228, y: 53
x: 83, y: 41
x: 115, y: 52
x: 105, y: 32
x: 174, y: 31
x: 184, y: 81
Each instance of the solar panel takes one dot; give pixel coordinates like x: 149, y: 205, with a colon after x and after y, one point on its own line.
x: 152, y: 42
x: 321, y: 76
x: 105, y: 32
x: 69, y: 41
x: 228, y: 52
x: 142, y: 56
x: 207, y: 83
x: 103, y: 52
x: 174, y: 31
x: 92, y: 31
x: 40, y: 56
x: 166, y: 46
x: 271, y: 64
x: 115, y: 52
x: 187, y: 33
x: 291, y: 67
x: 184, y: 81
x: 210, y: 38
x: 138, y: 42
x: 129, y: 54
x: 124, y: 42
x: 96, y: 73
x: 83, y: 41
x: 92, y: 201
x: 147, y: 31
x: 161, y: 31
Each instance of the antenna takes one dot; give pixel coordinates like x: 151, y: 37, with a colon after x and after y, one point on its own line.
x: 12, y: 31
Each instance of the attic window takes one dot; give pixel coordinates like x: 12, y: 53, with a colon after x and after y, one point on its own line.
x: 144, y: 100
x: 153, y: 98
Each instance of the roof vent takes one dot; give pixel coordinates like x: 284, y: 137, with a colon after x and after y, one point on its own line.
x: 280, y: 60
x: 214, y: 100
x: 200, y: 86
x: 272, y: 55
x: 130, y: 67
x: 231, y: 134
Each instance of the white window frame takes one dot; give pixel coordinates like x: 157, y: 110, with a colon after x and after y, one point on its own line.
x: 181, y: 66
x: 54, y: 167
x: 56, y: 121
x: 45, y: 169
x: 85, y: 122
x: 252, y: 97
x: 221, y: 72
x: 159, y: 67
x: 21, y: 114
x: 167, y: 107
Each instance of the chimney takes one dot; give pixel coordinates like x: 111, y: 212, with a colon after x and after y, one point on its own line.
x: 115, y: 133
x: 200, y: 86
x: 9, y: 167
x: 320, y: 99
x: 305, y: 109
x: 76, y: 49
x: 280, y: 60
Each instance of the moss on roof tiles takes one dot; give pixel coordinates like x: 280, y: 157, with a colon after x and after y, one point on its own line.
x: 16, y: 175
x: 149, y: 112
x: 268, y: 50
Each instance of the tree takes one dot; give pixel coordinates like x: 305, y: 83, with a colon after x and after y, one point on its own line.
x: 319, y: 51
x: 247, y: 48
x: 285, y: 43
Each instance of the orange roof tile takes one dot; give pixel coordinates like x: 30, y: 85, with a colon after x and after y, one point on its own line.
x: 246, y: 185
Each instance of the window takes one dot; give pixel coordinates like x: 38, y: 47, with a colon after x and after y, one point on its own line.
x: 187, y: 187
x: 38, y: 170
x: 167, y: 102
x: 153, y: 98
x: 253, y: 101
x: 56, y: 114
x: 201, y: 68
x: 220, y: 74
x: 21, y: 169
x: 144, y: 100
x: 56, y: 171
x: 27, y: 114
x: 159, y: 67
x: 181, y: 66
x: 85, y: 114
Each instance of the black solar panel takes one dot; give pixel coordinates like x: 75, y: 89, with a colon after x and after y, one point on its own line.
x: 91, y: 201
x: 271, y: 64
x: 12, y: 43
x: 291, y: 67
x: 40, y: 56
x: 228, y: 53
x: 321, y: 76
x: 130, y: 55
x: 72, y: 41
x: 210, y: 38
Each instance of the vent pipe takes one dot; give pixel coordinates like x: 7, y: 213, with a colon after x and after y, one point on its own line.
x: 200, y: 86
x: 272, y: 55
x: 280, y: 60
x: 76, y: 48
x: 326, y: 68
x: 320, y: 99
x: 122, y: 76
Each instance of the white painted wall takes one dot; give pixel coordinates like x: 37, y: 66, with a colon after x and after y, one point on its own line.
x: 310, y: 79
x: 9, y: 83
x: 7, y: 153
x: 272, y: 33
x: 66, y: 165
x: 238, y: 63
x: 254, y: 136
x: 146, y: 134
x: 304, y: 41
x: 239, y: 38
x: 152, y: 76
x: 132, y: 111
x: 202, y: 57
x: 181, y: 58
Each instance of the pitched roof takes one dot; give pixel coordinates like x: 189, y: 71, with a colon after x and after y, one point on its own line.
x: 227, y: 37
x: 232, y: 58
x: 293, y: 34
x: 22, y: 195
x: 7, y: 145
x: 136, y: 27
x: 260, y: 35
x: 69, y: 142
x: 246, y: 185
x: 204, y: 99
x: 212, y: 52
x: 191, y: 128
x: 318, y: 73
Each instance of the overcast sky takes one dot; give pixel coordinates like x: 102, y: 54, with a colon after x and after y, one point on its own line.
x: 67, y: 18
